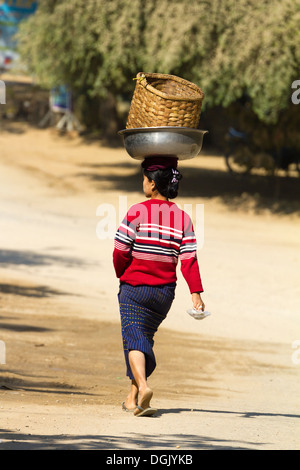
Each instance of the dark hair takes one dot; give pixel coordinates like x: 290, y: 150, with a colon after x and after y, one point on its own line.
x: 166, y: 181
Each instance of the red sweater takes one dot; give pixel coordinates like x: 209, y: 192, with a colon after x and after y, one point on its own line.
x: 149, y: 241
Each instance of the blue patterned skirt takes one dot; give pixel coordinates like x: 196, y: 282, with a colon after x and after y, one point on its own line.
x: 142, y: 309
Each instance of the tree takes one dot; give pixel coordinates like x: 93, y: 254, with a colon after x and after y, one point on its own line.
x: 86, y: 44
x: 257, y: 54
x: 231, y: 49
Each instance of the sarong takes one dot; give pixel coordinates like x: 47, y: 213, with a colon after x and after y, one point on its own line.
x: 142, y: 309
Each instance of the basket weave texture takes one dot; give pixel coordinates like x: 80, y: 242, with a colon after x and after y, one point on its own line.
x: 164, y: 100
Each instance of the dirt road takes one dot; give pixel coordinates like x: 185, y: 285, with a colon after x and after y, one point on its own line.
x: 230, y: 381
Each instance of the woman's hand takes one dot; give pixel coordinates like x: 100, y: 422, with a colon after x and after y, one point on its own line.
x: 198, y: 303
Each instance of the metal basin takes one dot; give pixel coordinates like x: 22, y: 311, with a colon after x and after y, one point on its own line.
x: 182, y: 142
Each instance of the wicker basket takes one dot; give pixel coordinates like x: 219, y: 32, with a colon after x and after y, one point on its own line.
x: 164, y: 100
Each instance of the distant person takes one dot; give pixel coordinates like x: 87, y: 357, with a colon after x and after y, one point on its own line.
x: 148, y: 243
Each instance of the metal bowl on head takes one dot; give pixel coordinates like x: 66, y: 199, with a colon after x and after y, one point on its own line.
x: 182, y: 142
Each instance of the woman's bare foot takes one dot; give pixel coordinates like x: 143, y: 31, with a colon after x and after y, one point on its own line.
x: 130, y: 404
x: 131, y: 400
x: 145, y: 396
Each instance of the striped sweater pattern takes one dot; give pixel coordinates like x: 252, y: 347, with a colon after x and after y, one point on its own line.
x: 152, y: 237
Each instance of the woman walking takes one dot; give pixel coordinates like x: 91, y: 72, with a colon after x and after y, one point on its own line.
x: 151, y: 238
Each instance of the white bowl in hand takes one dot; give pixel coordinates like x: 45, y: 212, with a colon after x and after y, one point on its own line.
x: 198, y: 314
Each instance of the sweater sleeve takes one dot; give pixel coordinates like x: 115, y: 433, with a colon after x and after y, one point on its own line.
x: 188, y: 257
x: 123, y: 242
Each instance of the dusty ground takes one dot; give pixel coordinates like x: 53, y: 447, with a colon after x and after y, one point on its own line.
x: 228, y: 382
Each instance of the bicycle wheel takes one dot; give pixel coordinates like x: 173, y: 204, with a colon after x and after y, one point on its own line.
x: 239, y: 159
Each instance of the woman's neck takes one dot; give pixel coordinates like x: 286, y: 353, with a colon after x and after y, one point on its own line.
x: 157, y: 195
x: 160, y: 198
